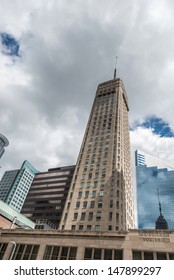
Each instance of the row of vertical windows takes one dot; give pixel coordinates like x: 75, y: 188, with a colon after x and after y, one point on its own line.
x: 25, y: 252
x: 83, y: 216
x: 149, y: 255
x: 105, y: 254
x: 60, y: 253
x: 30, y: 251
x: 89, y: 227
x: 100, y: 202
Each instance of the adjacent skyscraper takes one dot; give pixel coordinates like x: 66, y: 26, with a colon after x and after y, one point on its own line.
x: 47, y: 195
x: 152, y: 176
x: 15, y: 184
x: 101, y: 193
x: 3, y: 143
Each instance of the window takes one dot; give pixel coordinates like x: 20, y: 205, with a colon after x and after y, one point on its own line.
x: 102, y: 183
x: 85, y: 204
x: 100, y: 203
x: 75, y: 216
x: 171, y: 256
x: 79, y: 194
x: 92, y: 204
x: 148, y: 255
x: 161, y: 256
x: 77, y: 204
x: 110, y: 227
x: 93, y: 193
x: 118, y: 254
x: 68, y: 205
x: 95, y: 183
x: 80, y: 227
x: 83, y: 214
x: 97, y: 227
x: 98, y: 216
x: 111, y: 203
x: 86, y: 194
x: 51, y: 253
x: 90, y: 216
x: 88, y: 184
x: 101, y: 193
x: 110, y: 216
x: 25, y: 252
x: 91, y: 167
x: 108, y: 254
x: 136, y: 255
x: 97, y: 254
x: 117, y: 204
x: 117, y: 217
x: 72, y: 253
x: 65, y: 216
x: 88, y: 227
x: 90, y: 175
x: 88, y: 254
x: 68, y: 253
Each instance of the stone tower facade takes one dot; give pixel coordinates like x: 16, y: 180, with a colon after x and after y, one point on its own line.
x: 101, y: 192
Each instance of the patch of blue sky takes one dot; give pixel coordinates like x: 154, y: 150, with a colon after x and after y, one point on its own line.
x: 158, y: 126
x: 10, y: 45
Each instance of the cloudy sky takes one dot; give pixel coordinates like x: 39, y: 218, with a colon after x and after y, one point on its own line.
x: 54, y: 53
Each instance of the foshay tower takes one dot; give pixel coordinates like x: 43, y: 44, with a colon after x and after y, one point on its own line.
x: 101, y: 192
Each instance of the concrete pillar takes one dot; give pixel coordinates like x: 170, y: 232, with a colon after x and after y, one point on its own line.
x: 41, y: 252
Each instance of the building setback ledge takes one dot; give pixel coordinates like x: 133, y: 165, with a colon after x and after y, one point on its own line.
x: 64, y: 233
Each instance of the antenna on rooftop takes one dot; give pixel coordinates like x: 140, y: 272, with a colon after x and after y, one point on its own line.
x: 115, y: 70
x: 159, y: 202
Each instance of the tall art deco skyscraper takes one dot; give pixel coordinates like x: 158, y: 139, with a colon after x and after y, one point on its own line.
x: 101, y: 192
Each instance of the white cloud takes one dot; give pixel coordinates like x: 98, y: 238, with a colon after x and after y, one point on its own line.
x: 144, y: 139
x: 67, y: 49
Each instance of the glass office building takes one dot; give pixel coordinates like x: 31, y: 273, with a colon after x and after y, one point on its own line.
x: 155, y: 189
x: 15, y: 185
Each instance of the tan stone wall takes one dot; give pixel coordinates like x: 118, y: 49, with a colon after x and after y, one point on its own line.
x: 151, y: 241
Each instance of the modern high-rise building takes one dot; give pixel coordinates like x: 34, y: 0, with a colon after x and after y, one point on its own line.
x: 101, y: 192
x: 155, y: 192
x: 3, y: 143
x: 7, y: 182
x: 15, y: 184
x: 47, y: 195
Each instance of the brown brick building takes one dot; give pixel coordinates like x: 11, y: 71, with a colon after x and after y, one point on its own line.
x: 47, y: 195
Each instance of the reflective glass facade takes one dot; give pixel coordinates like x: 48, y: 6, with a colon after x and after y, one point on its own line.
x: 151, y: 180
x: 15, y: 184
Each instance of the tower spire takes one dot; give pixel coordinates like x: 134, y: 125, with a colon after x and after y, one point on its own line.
x: 115, y: 70
x: 161, y: 223
x: 159, y: 202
